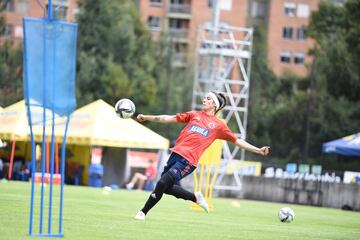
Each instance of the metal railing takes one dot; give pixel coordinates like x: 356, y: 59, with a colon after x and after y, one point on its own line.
x: 179, y: 8
x: 179, y: 32
x: 156, y: 4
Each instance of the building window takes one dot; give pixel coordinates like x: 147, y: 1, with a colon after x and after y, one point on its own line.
x: 75, y: 12
x: 8, y: 31
x: 290, y: 9
x: 22, y: 7
x: 177, y: 2
x: 300, y: 33
x: 287, y: 32
x: 299, y: 58
x: 303, y: 10
x: 10, y: 6
x: 61, y: 12
x: 175, y: 23
x: 180, y: 53
x: 257, y: 9
x: 226, y: 5
x: 154, y: 22
x: 285, y: 57
x: 155, y: 3
x: 223, y: 4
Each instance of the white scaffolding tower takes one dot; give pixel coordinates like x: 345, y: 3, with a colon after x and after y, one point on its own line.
x: 223, y: 64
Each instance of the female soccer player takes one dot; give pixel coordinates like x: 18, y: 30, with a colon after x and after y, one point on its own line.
x: 202, y: 128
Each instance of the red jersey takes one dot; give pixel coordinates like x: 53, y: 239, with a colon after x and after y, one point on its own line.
x: 201, y: 130
x: 150, y: 172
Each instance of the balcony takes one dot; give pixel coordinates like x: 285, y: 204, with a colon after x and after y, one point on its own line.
x: 156, y: 4
x: 179, y: 10
x: 179, y: 33
x: 179, y: 59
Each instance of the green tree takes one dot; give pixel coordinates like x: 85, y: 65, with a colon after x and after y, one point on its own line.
x: 261, y: 78
x: 296, y: 115
x: 174, y: 86
x: 115, y: 54
x: 335, y: 76
x: 10, y: 66
x: 336, y: 31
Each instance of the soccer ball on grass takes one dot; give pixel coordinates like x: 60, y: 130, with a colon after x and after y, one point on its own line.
x: 286, y: 215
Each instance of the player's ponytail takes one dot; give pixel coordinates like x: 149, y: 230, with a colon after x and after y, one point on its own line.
x: 222, y: 100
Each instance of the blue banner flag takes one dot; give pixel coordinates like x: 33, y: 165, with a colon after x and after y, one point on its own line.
x: 49, y: 62
x: 49, y: 89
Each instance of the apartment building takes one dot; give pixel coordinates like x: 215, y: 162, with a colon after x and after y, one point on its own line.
x: 15, y: 10
x: 284, y: 21
x: 288, y: 46
x: 180, y: 19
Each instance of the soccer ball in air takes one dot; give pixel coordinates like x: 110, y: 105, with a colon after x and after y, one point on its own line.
x: 286, y: 215
x: 125, y: 108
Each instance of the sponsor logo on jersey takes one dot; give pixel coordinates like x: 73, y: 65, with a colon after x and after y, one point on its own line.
x: 200, y: 130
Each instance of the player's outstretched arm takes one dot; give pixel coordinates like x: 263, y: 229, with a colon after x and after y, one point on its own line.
x: 157, y: 118
x: 248, y: 147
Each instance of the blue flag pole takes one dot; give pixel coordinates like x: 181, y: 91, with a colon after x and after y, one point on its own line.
x: 50, y: 10
x: 49, y: 89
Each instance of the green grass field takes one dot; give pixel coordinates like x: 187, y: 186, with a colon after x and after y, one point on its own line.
x: 90, y: 214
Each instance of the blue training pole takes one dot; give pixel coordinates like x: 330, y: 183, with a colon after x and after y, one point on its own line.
x: 50, y: 10
x: 33, y: 145
x: 33, y: 148
x: 51, y: 171
x: 52, y: 135
x: 43, y: 145
x: 33, y: 169
x: 63, y: 152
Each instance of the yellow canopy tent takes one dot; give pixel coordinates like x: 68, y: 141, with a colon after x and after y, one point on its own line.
x: 14, y: 126
x: 13, y: 122
x: 95, y: 124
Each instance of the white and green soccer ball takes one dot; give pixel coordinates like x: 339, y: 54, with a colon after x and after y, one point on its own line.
x: 286, y: 214
x: 125, y: 108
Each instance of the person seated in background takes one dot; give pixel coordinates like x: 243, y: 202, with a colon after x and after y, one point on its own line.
x: 25, y: 172
x: 16, y: 169
x: 140, y: 179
